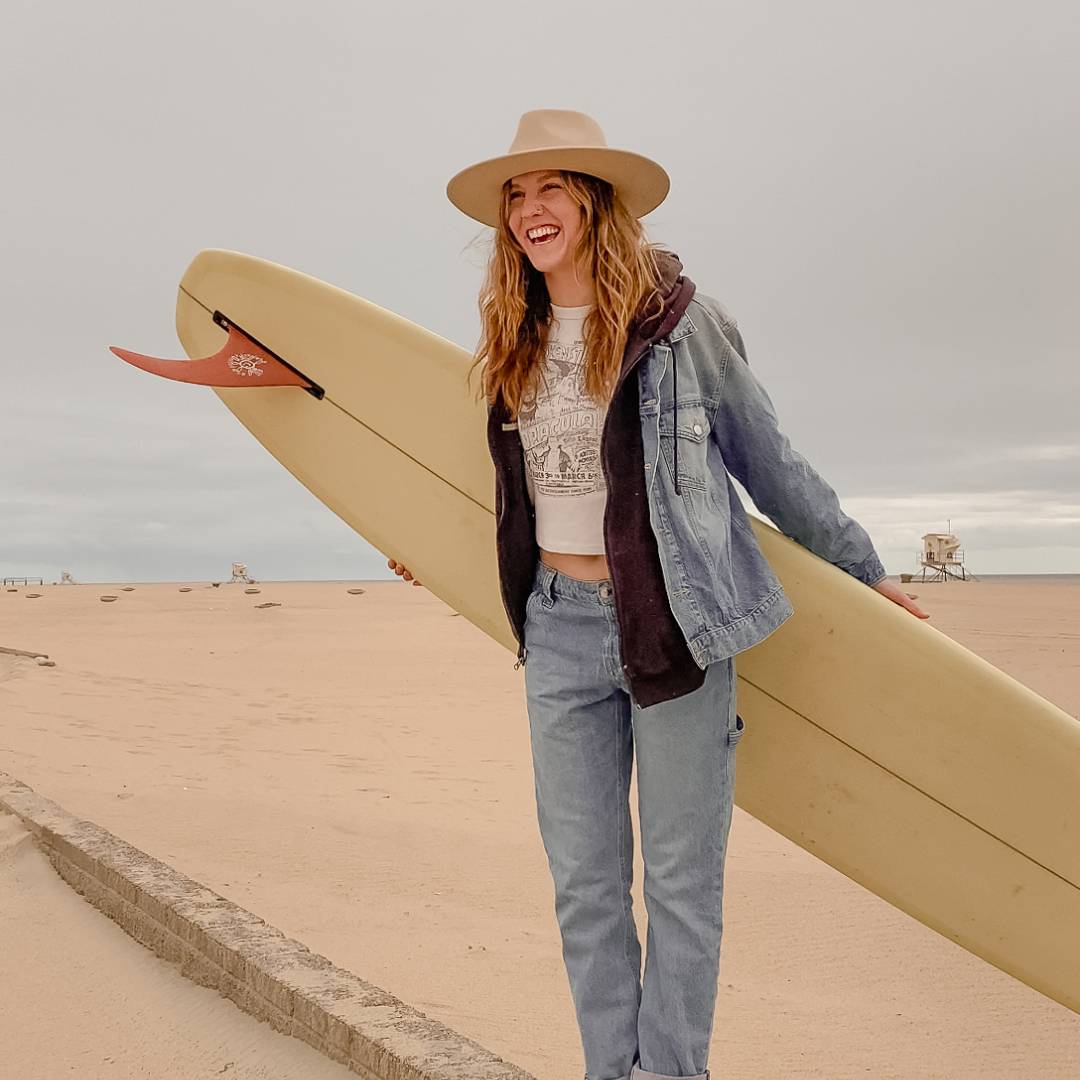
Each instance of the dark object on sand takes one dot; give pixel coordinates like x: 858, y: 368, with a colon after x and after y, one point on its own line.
x: 23, y: 652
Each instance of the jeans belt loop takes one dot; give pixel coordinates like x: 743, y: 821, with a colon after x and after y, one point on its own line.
x: 547, y: 584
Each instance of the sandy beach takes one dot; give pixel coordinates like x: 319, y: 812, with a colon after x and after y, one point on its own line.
x: 355, y: 769
x: 79, y: 997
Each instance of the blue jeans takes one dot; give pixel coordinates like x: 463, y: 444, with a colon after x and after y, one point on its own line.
x: 583, y: 727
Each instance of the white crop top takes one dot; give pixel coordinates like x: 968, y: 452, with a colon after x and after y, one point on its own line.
x: 560, y: 429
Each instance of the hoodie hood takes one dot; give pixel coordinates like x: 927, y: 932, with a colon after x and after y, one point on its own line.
x: 645, y: 330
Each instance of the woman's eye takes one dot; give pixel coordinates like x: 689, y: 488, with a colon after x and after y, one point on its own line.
x: 517, y: 194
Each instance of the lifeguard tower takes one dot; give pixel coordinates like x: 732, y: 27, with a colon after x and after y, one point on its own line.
x: 942, y: 554
x: 240, y: 575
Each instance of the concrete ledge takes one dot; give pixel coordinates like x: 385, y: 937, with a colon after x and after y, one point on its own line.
x: 218, y: 944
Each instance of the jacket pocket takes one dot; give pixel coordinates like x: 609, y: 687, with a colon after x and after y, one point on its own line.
x: 690, y: 435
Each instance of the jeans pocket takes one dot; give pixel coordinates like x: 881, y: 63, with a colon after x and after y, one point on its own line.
x: 735, y: 731
x: 530, y: 603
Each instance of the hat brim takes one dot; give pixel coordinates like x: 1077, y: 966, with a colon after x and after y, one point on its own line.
x: 641, y: 183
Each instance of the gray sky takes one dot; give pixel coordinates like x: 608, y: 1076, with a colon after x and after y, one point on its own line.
x: 885, y: 197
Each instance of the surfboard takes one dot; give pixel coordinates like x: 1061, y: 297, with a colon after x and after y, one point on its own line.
x: 873, y: 740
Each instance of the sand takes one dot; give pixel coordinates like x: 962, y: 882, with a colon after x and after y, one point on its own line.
x: 356, y: 771
x: 78, y: 997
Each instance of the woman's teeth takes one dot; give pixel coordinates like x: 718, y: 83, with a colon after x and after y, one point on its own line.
x: 544, y: 237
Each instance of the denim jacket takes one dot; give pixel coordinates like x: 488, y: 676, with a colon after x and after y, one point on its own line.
x: 686, y: 412
x: 705, y: 415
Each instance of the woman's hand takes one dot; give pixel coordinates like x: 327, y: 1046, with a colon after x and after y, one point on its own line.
x: 401, y: 571
x: 898, y: 596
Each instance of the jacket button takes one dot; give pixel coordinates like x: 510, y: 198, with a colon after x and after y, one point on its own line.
x: 697, y: 429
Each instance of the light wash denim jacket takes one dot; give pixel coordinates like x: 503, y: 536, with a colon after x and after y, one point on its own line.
x: 704, y: 410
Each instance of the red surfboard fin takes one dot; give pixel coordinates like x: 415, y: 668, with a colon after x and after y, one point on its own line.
x: 240, y: 362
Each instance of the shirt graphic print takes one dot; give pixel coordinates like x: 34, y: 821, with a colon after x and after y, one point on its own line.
x: 560, y: 429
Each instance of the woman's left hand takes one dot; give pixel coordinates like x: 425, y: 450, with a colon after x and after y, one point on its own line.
x: 898, y: 596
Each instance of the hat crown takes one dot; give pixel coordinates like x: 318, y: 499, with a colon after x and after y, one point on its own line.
x: 544, y: 129
x: 562, y: 139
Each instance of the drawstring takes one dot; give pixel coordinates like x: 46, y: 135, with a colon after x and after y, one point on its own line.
x: 675, y: 430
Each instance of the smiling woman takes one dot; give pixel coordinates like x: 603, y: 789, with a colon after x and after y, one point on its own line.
x: 629, y: 592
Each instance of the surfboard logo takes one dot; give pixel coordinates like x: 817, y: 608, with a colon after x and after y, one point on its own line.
x: 246, y: 364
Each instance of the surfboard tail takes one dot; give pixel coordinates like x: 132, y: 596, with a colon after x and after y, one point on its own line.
x: 240, y: 362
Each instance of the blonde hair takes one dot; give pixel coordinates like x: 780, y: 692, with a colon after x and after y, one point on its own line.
x: 515, y: 306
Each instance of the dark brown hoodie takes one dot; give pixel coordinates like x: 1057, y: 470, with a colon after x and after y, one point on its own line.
x: 656, y: 660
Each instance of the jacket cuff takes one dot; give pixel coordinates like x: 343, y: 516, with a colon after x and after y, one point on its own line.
x: 870, y: 571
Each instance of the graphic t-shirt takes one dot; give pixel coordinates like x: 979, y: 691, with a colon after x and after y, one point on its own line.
x: 560, y: 429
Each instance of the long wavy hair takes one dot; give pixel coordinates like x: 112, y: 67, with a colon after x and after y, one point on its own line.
x: 515, y: 306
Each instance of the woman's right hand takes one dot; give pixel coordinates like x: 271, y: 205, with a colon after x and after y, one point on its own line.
x: 401, y: 570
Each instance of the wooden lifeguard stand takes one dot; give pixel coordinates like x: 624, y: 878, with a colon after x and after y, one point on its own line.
x: 942, y: 553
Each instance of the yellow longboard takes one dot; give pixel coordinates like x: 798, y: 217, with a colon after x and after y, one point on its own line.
x: 873, y: 740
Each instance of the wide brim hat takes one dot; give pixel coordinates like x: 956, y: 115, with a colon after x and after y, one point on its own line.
x: 559, y: 139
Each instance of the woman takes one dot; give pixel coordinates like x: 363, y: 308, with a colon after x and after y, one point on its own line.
x: 619, y: 399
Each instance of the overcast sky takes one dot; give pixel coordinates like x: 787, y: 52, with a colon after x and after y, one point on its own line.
x: 884, y: 195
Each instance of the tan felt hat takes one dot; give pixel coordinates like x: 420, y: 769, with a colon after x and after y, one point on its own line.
x: 559, y: 139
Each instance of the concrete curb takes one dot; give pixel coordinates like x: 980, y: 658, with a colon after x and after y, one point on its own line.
x: 218, y: 944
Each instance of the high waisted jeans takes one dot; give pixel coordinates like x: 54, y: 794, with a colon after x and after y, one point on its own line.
x: 584, y: 726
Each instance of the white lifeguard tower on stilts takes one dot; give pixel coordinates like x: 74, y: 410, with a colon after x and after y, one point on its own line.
x: 942, y: 554
x: 240, y: 575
